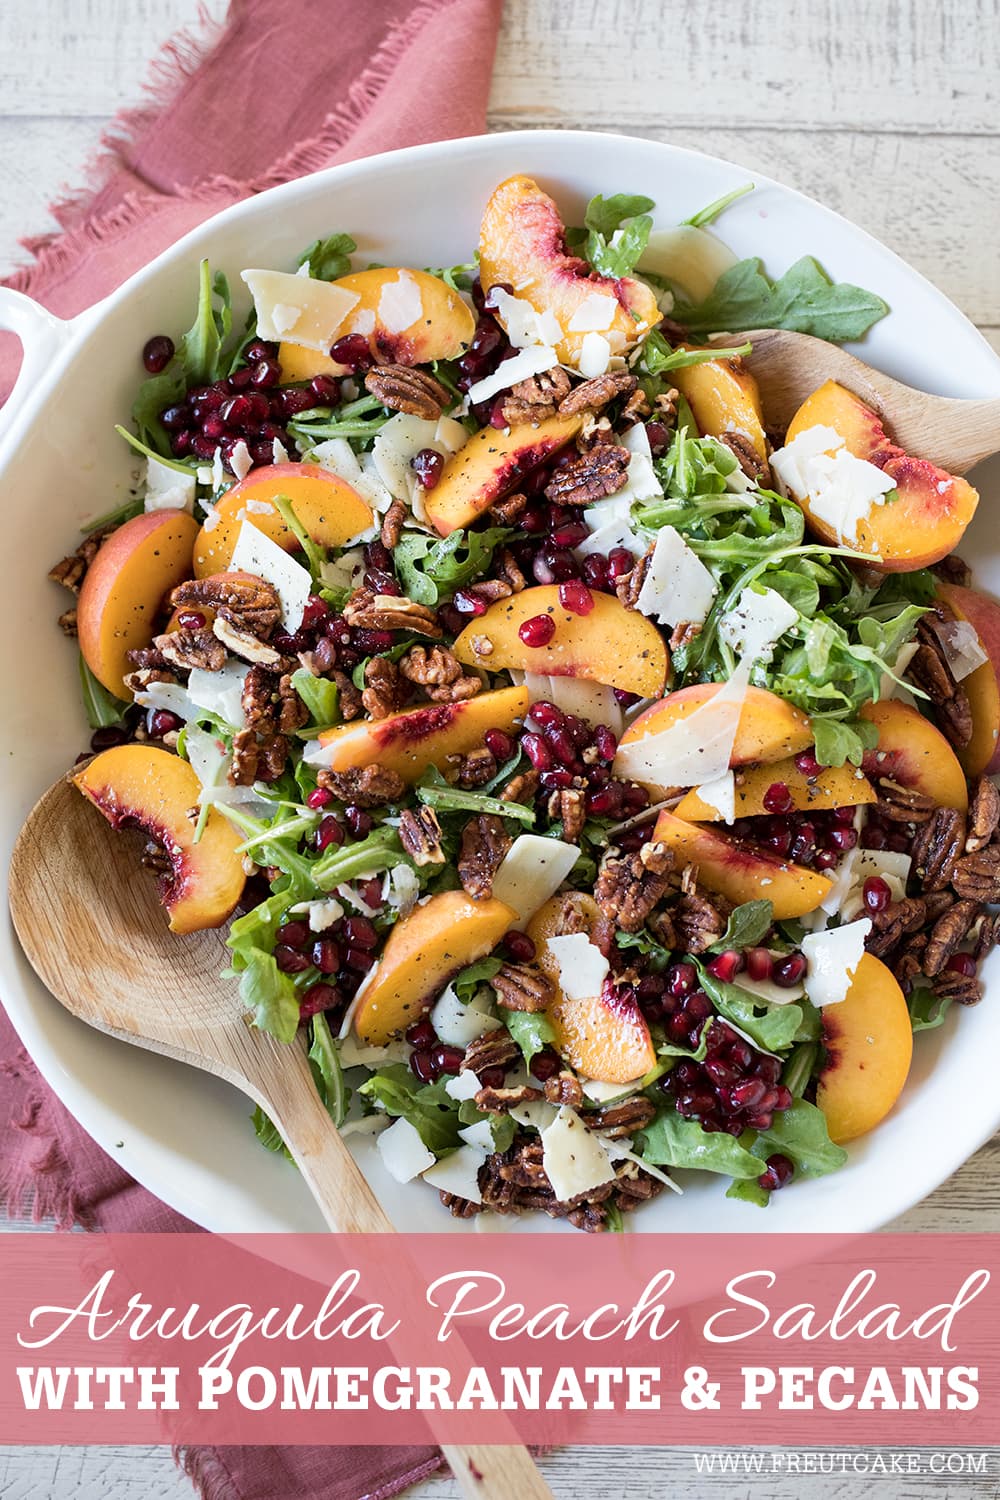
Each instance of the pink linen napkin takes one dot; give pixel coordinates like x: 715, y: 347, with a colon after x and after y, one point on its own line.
x: 274, y: 92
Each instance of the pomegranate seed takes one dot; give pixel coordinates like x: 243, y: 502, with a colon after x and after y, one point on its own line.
x: 843, y: 838
x: 898, y: 843
x: 607, y: 803
x: 720, y: 1072
x: 804, y: 843
x: 726, y: 966
x: 157, y: 353
x: 520, y: 947
x: 570, y: 535
x: 697, y: 1007
x: 546, y: 715
x: 104, y: 739
x: 325, y: 389
x: 163, y: 722
x: 595, y: 571
x: 760, y: 964
x: 421, y: 1063
x: 421, y: 1033
x: 659, y: 438
x: 320, y: 797
x: 266, y: 375
x: 319, y: 997
x: 490, y: 300
x: 624, y: 698
x: 607, y: 744
x: 328, y: 833
x: 191, y: 619
x: 962, y: 963
x: 844, y: 815
x: 576, y: 597
x: 326, y: 956
x: 353, y: 351
x: 620, y: 562
x: 779, y: 1172
x: 492, y: 1078
x: 681, y: 980
x: 316, y: 610
x: 290, y: 960
x: 747, y: 1095
x: 470, y: 604
x: 448, y: 1059
x: 291, y: 402
x: 255, y: 351
x: 783, y: 1097
x: 358, y: 821
x: 360, y: 933
x: 238, y: 380
x: 534, y: 520
x: 777, y: 798
x: 537, y: 751
x: 545, y: 1064
x: 636, y: 797
x: 237, y: 411
x: 807, y: 763
x: 826, y: 859
x: 428, y: 465
x: 790, y: 971
x: 876, y: 894
x: 768, y: 1068
x: 181, y: 442
x: 780, y: 840
x: 359, y: 959
x: 562, y: 746
x: 499, y: 744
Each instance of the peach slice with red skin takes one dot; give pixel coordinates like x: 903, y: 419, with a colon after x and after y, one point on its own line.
x: 605, y: 1036
x: 835, y: 786
x: 443, y: 330
x: 933, y: 508
x: 739, y: 873
x: 425, y: 950
x: 982, y: 686
x: 869, y: 1047
x: 724, y: 398
x: 327, y: 507
x: 410, y: 741
x: 913, y: 753
x: 522, y: 243
x: 610, y: 644
x: 140, y: 784
x: 490, y: 465
x: 124, y: 589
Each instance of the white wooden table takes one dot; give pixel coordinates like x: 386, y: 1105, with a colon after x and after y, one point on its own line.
x: 888, y: 112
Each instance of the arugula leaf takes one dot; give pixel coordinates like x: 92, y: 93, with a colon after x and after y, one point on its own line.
x: 271, y: 995
x: 468, y: 980
x: 616, y: 233
x: 329, y: 1076
x: 748, y: 925
x: 804, y: 300
x: 748, y: 1190
x: 709, y: 214
x: 672, y: 1141
x: 646, y: 944
x: 100, y: 706
x: 774, y: 1031
x: 148, y: 452
x: 329, y: 259
x: 430, y: 570
x: 801, y: 1134
x: 799, y: 1068
x: 531, y: 1030
x: 429, y: 1110
x: 200, y: 348
x: 605, y: 215
x: 315, y: 554
x: 320, y: 695
x: 837, y: 741
x: 152, y: 397
x: 114, y: 518
x: 268, y: 1134
x: 658, y: 357
x: 451, y: 799
x: 927, y: 1010
x: 199, y: 360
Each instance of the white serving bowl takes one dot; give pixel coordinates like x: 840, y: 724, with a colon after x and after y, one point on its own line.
x: 182, y: 1133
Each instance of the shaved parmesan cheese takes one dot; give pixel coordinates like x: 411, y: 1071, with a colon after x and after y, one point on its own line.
x: 888, y: 686
x: 524, y: 324
x: 168, y: 488
x: 721, y: 794
x: 572, y: 1156
x: 400, y: 304
x: 531, y: 871
x: 693, y: 751
x: 595, y: 313
x: 604, y: 1093
x: 833, y: 956
x: 240, y: 461
x: 769, y: 992
x: 402, y: 889
x: 344, y: 572
x: 962, y: 647
x: 363, y: 322
x: 861, y: 865
x: 257, y: 554
x: 456, y: 1024
x: 323, y: 914
x: 582, y: 966
x: 619, y: 1150
x: 355, y: 1054
x: 400, y: 440
x: 403, y: 1153
x: 788, y: 463
x: 756, y: 623
x: 169, y: 695
x: 610, y: 534
x: 298, y: 309
x: 677, y: 588
x: 594, y: 701
x: 220, y: 693
x: 594, y: 356
x: 479, y: 1135
x: 537, y: 1114
x: 457, y: 1173
x: 840, y: 487
x: 464, y: 1085
x: 279, y: 453
x: 534, y: 360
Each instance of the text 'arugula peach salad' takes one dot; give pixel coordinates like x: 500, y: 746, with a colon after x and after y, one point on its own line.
x: 600, y: 777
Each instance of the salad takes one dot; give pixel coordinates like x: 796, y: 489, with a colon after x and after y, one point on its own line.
x: 598, y: 777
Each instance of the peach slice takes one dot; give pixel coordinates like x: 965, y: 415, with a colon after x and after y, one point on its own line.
x: 741, y: 874
x: 443, y: 330
x: 329, y: 510
x: 522, y: 243
x: 769, y: 728
x: 982, y: 753
x: 604, y: 1037
x: 489, y: 466
x: 723, y: 397
x: 125, y: 586
x: 411, y: 741
x: 611, y: 644
x: 835, y: 786
x: 913, y: 753
x: 933, y: 508
x: 157, y: 790
x: 425, y: 950
x: 869, y: 1046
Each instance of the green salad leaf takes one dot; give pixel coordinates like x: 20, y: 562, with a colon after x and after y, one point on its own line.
x: 268, y: 1133
x: 468, y: 980
x: 801, y: 1133
x: 101, y: 707
x: 804, y: 300
x: 427, y: 1107
x: 531, y: 1030
x: 748, y: 925
x: 672, y: 1141
x: 927, y: 1010
x: 774, y: 1028
x: 320, y: 695
x: 430, y: 569
x: 708, y: 215
x: 616, y: 232
x: 329, y: 259
x: 325, y: 1061
x: 270, y: 995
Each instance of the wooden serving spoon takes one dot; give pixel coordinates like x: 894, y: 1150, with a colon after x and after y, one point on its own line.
x: 94, y: 933
x: 788, y: 367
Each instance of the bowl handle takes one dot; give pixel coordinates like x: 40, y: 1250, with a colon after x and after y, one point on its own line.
x: 42, y: 336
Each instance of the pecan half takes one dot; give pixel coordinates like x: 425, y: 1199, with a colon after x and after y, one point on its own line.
x: 248, y: 603
x: 348, y: 699
x: 246, y: 757
x: 367, y: 611
x: 494, y: 1049
x: 568, y: 807
x: 629, y: 586
x: 616, y: 1120
x: 420, y: 836
x: 947, y: 935
x: 476, y: 768
x: 371, y: 786
x: 485, y: 841
x: 977, y: 876
x: 699, y: 920
x: 953, y: 570
x: 459, y: 1208
x: 750, y: 461
x: 683, y: 634
x: 564, y: 1088
x: 392, y: 524
x: 501, y: 1101
x: 509, y: 572
x: 937, y: 850
x: 522, y: 987
x: 908, y: 965
x: 595, y: 394
x: 185, y: 649
x: 630, y: 885
x: 292, y: 712
x: 964, y: 989
x: 901, y: 804
x: 71, y: 570
x: 987, y: 935
x: 602, y: 471
x: 243, y: 643
x: 384, y: 692
x: 536, y: 399
x: 897, y: 920
x: 521, y: 788
x: 984, y: 814
x: 509, y: 510
x: 403, y: 388
x: 930, y: 669
x: 439, y: 672
x: 67, y: 622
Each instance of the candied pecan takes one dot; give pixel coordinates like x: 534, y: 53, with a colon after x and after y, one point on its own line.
x: 508, y: 570
x: 521, y: 788
x: 489, y: 590
x: 750, y: 461
x: 948, y: 933
x: 244, y: 644
x: 941, y: 842
x: 250, y: 604
x: 930, y: 670
x: 420, y: 836
x: 67, y: 622
x: 460, y: 1208
x: 602, y: 471
x: 348, y: 696
x: 571, y: 917
x: 139, y: 681
x: 498, y: 1194
x: 71, y: 570
x: 595, y: 394
x: 536, y: 399
x: 292, y: 712
x: 564, y: 1088
x: 494, y: 1049
x: 977, y: 875
x: 630, y: 885
x: 636, y: 407
x: 522, y: 987
x: 953, y: 570
x: 568, y: 807
x: 403, y: 388
x: 665, y: 407
x: 525, y: 1168
x: 476, y: 768
x: 148, y: 658
x: 964, y: 989
x: 892, y: 924
x: 984, y: 814
x: 908, y: 965
x: 501, y: 1101
x: 901, y: 804
x: 594, y: 432
x: 937, y: 903
x: 987, y: 935
x: 368, y: 611
x: 384, y: 691
x: 683, y: 634
x: 272, y: 758
x: 392, y: 524
x: 258, y: 700
x: 634, y: 1186
x: 590, y: 1217
x: 629, y: 586
x: 154, y: 857
x: 246, y: 756
x: 485, y: 841
x: 185, y: 649
x: 616, y: 1120
x: 661, y: 925
x: 368, y: 786
x: 698, y: 921
x: 509, y: 509
x: 439, y: 672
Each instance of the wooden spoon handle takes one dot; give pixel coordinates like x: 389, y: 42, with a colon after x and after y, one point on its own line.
x: 281, y: 1080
